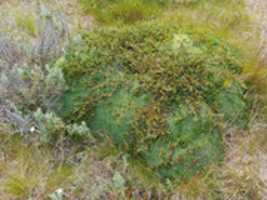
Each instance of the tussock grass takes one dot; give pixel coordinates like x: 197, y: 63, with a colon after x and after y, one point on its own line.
x: 29, y: 171
x: 26, y: 22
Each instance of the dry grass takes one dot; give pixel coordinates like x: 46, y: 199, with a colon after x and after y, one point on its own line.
x: 257, y: 9
x: 242, y: 176
x: 29, y: 171
x: 13, y: 9
x: 245, y: 171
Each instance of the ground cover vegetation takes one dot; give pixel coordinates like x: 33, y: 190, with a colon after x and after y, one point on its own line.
x: 158, y: 88
x: 156, y: 100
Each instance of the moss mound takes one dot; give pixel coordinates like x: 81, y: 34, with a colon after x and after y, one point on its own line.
x: 160, y: 91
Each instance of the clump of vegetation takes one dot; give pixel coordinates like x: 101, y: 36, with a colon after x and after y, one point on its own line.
x: 29, y: 77
x: 159, y: 90
x: 226, y: 15
x: 124, y: 11
x: 29, y: 171
x: 26, y: 23
x: 31, y: 86
x: 51, y: 128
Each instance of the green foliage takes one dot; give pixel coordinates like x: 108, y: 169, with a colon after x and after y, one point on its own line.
x: 121, y: 106
x: 57, y: 195
x: 232, y: 105
x: 30, y: 87
x: 30, y: 171
x: 79, y: 130
x: 51, y: 127
x: 226, y: 16
x: 58, y: 176
x: 192, y: 143
x: 229, y: 18
x: 118, y: 180
x: 123, y: 11
x: 159, y: 90
x: 26, y: 23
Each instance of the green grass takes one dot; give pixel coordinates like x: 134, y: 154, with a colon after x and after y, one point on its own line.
x: 124, y: 11
x: 26, y: 23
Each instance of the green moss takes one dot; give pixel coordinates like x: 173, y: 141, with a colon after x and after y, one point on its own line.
x: 159, y: 90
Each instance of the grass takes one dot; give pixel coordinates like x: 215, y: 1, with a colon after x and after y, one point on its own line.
x: 30, y: 170
x: 90, y: 172
x: 26, y: 22
x: 124, y: 11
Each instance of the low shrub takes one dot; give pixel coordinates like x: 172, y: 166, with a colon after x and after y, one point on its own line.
x: 159, y: 90
x: 52, y: 128
x: 29, y: 87
x: 29, y: 77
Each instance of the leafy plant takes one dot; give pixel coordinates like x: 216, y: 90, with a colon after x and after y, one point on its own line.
x: 118, y: 180
x: 79, y: 131
x: 31, y: 87
x: 50, y: 126
x: 57, y: 195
